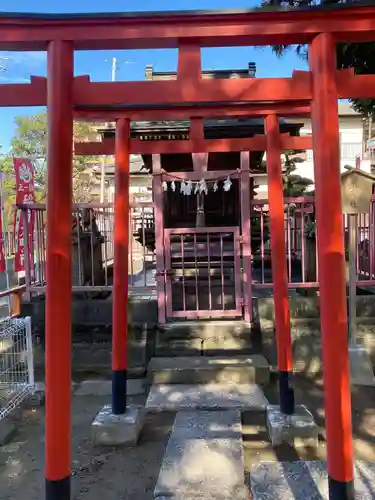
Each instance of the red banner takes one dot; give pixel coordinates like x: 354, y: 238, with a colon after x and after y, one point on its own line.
x: 25, y: 194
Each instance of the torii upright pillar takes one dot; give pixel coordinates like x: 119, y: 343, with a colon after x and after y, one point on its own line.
x: 120, y: 268
x: 59, y: 269
x: 119, y: 424
x: 284, y: 421
x: 278, y: 261
x: 331, y: 262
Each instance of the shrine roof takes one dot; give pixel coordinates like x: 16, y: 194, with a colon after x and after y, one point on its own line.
x: 228, y: 127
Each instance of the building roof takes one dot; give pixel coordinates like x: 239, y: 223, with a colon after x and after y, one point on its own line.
x: 207, y: 74
x: 346, y: 109
x: 135, y: 167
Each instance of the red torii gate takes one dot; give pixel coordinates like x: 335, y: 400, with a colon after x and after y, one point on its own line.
x: 66, y: 96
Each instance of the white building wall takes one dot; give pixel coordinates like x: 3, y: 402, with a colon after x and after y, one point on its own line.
x: 351, y: 137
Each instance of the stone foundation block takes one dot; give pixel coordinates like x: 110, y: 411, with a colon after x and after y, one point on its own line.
x: 361, y: 372
x: 298, y: 429
x: 117, y: 430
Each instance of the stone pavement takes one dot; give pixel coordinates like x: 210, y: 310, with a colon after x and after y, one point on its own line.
x: 305, y: 480
x: 204, y: 458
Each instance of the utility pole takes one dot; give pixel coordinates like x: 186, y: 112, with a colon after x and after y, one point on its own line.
x: 104, y: 159
x: 114, y: 69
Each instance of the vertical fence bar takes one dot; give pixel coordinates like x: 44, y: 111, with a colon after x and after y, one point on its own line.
x: 371, y: 239
x: 145, y: 266
x: 30, y: 354
x: 131, y: 247
x: 196, y: 272
x: 26, y: 242
x: 159, y: 238
x: 262, y: 242
x: 303, y: 268
x: 182, y: 243
x: 209, y: 272
x: 246, y: 235
x: 92, y: 247
x: 4, y: 237
x: 289, y: 230
x: 222, y: 271
x: 105, y: 230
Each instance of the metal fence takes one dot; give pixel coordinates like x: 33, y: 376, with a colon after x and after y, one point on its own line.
x: 8, y: 243
x: 299, y: 242
x: 93, y: 248
x: 16, y: 363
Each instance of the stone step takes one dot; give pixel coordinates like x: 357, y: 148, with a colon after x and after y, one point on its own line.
x: 204, y: 458
x: 242, y: 369
x: 207, y: 338
x: 214, y: 346
x: 226, y: 396
x: 228, y: 329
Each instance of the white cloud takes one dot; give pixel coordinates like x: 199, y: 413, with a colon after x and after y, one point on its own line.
x: 16, y: 67
x: 28, y: 61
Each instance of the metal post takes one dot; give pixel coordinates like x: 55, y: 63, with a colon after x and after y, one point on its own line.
x: 102, y: 179
x: 331, y: 263
x: 352, y: 222
x: 246, y: 234
x: 120, y: 269
x: 59, y: 269
x: 26, y: 248
x: 278, y: 261
x: 5, y: 241
x: 30, y: 354
x: 157, y: 188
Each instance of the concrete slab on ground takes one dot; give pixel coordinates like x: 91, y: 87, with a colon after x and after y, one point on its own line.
x: 204, y: 458
x: 117, y: 430
x: 298, y: 429
x: 175, y: 397
x: 305, y: 480
x: 361, y: 372
x: 251, y: 369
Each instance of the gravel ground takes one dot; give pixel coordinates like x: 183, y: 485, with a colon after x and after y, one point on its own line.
x: 117, y: 474
x: 131, y: 474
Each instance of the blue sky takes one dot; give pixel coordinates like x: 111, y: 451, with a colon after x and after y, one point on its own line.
x: 131, y: 64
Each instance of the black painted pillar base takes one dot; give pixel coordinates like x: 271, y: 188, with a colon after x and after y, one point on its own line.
x: 340, y: 490
x: 58, y: 490
x: 286, y: 393
x: 119, y: 378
